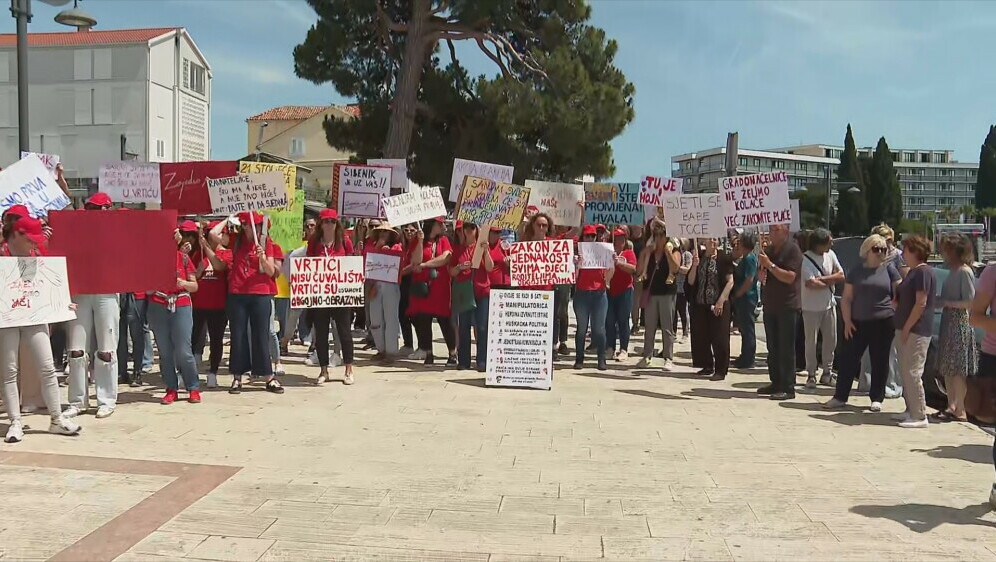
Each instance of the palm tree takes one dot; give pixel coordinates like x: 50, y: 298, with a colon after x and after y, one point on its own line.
x: 948, y: 214
x: 969, y: 212
x: 988, y: 213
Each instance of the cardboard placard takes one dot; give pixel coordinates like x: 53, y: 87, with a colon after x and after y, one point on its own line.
x: 27, y: 182
x: 399, y: 171
x: 545, y: 262
x: 616, y: 203
x: 597, y: 255
x: 51, y: 161
x: 520, y: 339
x: 653, y: 189
x: 115, y: 251
x: 463, y: 168
x: 34, y: 291
x: 250, y: 192
x: 131, y: 182
x: 361, y: 189
x: 333, y: 282
x: 184, y: 184
x: 488, y: 203
x: 695, y: 216
x: 563, y: 202
x: 796, y: 224
x: 756, y: 200
x: 382, y: 267
x: 419, y: 204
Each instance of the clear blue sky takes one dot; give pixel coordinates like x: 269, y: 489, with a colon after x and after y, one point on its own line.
x: 780, y: 73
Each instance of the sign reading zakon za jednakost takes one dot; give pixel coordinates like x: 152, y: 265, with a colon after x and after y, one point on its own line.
x: 520, y: 339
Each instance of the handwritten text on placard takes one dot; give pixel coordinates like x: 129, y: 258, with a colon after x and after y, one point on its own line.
x: 361, y: 189
x: 131, y: 182
x: 34, y: 291
x: 653, y: 189
x: 383, y: 267
x: 27, y: 182
x: 486, y: 202
x: 334, y: 282
x: 250, y: 192
x: 563, y: 202
x: 544, y: 262
x: 695, y: 216
x: 419, y: 204
x: 463, y: 168
x: 756, y: 200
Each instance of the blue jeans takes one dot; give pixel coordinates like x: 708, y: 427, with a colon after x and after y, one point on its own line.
x: 245, y: 311
x: 172, y: 331
x: 743, y: 318
x: 132, y: 323
x: 617, y: 321
x: 478, y: 317
x: 590, y: 308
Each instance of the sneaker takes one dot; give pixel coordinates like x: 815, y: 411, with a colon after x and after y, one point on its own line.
x: 602, y: 366
x: 892, y: 393
x: 135, y: 382
x: 406, y: 351
x: 834, y: 404
x: 312, y: 359
x: 914, y: 424
x: 704, y: 373
x: 195, y: 397
x: 212, y: 381
x: 72, y: 411
x: 645, y: 363
x: 64, y: 426
x: 826, y: 378
x: 104, y: 411
x: 578, y: 365
x: 279, y: 369
x: 146, y: 369
x: 622, y: 355
x: 323, y: 377
x: 169, y: 398
x: 767, y: 390
x: 668, y: 365
x: 901, y: 416
x: 562, y: 350
x: 15, y: 432
x: 348, y: 379
x: 418, y: 355
x: 811, y: 382
x: 780, y: 396
x: 876, y: 407
x: 451, y: 361
x: 335, y: 360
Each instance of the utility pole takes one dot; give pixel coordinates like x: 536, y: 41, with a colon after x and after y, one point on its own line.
x: 21, y: 10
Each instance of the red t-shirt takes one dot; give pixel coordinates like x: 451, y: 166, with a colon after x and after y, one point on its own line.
x: 369, y: 245
x: 500, y: 276
x: 480, y: 276
x: 442, y: 245
x: 184, y: 269
x: 590, y: 280
x: 620, y: 279
x: 244, y: 276
x: 212, y: 287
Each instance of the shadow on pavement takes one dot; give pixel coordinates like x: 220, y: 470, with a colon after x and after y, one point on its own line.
x: 719, y: 393
x: 921, y: 518
x: 469, y: 382
x: 853, y: 417
x: 981, y: 454
x: 151, y: 395
x: 632, y: 377
x: 650, y: 394
x: 660, y: 373
x: 750, y: 385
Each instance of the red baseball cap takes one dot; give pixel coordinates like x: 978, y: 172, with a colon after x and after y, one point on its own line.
x: 100, y: 199
x: 441, y: 220
x: 458, y: 225
x: 619, y: 232
x: 495, y: 229
x: 328, y: 214
x: 588, y: 230
x: 600, y: 227
x: 245, y: 217
x: 32, y: 228
x: 17, y: 211
x: 213, y: 224
x: 188, y: 226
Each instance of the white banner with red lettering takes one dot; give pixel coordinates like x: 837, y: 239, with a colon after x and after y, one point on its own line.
x: 545, y: 262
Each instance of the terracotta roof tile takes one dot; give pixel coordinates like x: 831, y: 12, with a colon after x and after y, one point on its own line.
x: 72, y: 38
x: 301, y: 112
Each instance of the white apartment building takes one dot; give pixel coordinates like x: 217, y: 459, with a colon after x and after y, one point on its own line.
x: 89, y: 88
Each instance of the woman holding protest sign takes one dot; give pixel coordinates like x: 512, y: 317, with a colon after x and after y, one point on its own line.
x: 661, y: 262
x: 710, y: 281
x: 22, y: 240
x: 329, y: 240
x: 431, y: 291
x: 471, y: 295
x: 251, y: 271
x: 590, y: 305
x: 408, y: 235
x: 385, y: 296
x: 620, y: 296
x: 536, y: 229
x: 208, y: 303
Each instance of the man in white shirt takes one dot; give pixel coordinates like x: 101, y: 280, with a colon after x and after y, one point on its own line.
x: 821, y: 270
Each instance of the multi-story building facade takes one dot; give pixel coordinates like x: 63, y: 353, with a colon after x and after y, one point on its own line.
x: 931, y: 180
x: 98, y: 96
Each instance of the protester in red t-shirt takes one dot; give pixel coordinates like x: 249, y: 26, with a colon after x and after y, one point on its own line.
x: 329, y: 240
x: 251, y: 288
x: 408, y: 236
x: 500, y: 276
x: 172, y: 322
x: 209, y: 301
x: 590, y: 305
x: 430, y: 292
x: 471, y: 295
x: 384, y: 296
x: 620, y: 296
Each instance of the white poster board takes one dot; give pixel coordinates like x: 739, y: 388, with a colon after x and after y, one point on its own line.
x: 597, y: 255
x: 540, y: 263
x: 319, y: 282
x: 563, y: 202
x: 755, y: 200
x: 362, y: 189
x: 34, y: 291
x: 654, y: 189
x: 131, y: 182
x: 51, y: 161
x: 247, y: 192
x: 463, y: 168
x: 399, y: 171
x: 697, y: 215
x: 796, y: 224
x: 27, y: 182
x: 419, y: 204
x: 520, y: 339
x: 383, y: 267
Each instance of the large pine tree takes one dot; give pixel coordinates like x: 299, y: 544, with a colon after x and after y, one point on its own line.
x: 883, y: 194
x: 852, y: 213
x: 985, y: 187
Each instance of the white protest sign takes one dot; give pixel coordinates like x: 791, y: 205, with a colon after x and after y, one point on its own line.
x: 463, y: 168
x: 755, y: 200
x: 795, y: 225
x: 698, y: 215
x: 34, y: 291
x: 131, y: 182
x: 51, y: 161
x: 334, y: 282
x: 248, y: 192
x: 540, y: 263
x: 653, y: 190
x: 520, y: 339
x: 419, y: 204
x: 361, y: 190
x: 563, y: 202
x: 27, y: 182
x: 383, y: 267
x: 597, y: 255
x: 399, y: 171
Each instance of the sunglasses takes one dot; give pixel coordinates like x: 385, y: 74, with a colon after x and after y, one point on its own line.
x: 879, y: 250
x: 326, y: 221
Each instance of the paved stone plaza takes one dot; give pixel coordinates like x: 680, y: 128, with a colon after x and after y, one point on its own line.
x: 426, y: 464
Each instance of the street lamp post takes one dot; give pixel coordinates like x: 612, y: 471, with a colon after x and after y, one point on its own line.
x: 840, y: 184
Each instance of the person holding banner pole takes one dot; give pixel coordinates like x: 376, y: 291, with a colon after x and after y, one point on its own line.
x: 538, y: 227
x: 477, y: 280
x: 781, y: 261
x: 431, y: 290
x: 661, y: 263
x: 407, y: 339
x: 329, y: 240
x: 209, y: 301
x: 710, y: 280
x: 590, y: 305
x: 620, y: 296
x: 22, y: 240
x: 385, y: 297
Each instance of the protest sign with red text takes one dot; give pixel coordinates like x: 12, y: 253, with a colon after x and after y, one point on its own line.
x: 545, y: 262
x: 755, y: 200
x: 326, y: 282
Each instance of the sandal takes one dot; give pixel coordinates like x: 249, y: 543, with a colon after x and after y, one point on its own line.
x: 943, y: 416
x: 273, y: 386
x: 236, y: 387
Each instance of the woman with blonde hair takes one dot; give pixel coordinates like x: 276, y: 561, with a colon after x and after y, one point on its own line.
x: 960, y: 356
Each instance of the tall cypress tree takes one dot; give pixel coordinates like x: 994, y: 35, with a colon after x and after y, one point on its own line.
x: 885, y: 202
x: 851, y: 217
x: 985, y: 187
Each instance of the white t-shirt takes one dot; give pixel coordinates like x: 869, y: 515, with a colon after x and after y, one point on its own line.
x: 818, y: 300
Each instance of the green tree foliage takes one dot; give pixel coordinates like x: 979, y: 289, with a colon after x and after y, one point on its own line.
x: 550, y: 109
x: 812, y: 206
x: 884, y: 197
x: 985, y: 186
x: 852, y: 212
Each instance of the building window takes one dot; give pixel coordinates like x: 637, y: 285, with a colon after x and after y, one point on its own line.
x: 83, y: 103
x: 198, y: 78
x: 909, y: 157
x: 160, y: 148
x: 940, y: 158
x: 186, y: 73
x: 297, y: 148
x: 778, y: 164
x: 757, y: 162
x: 971, y: 173
x: 743, y: 161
